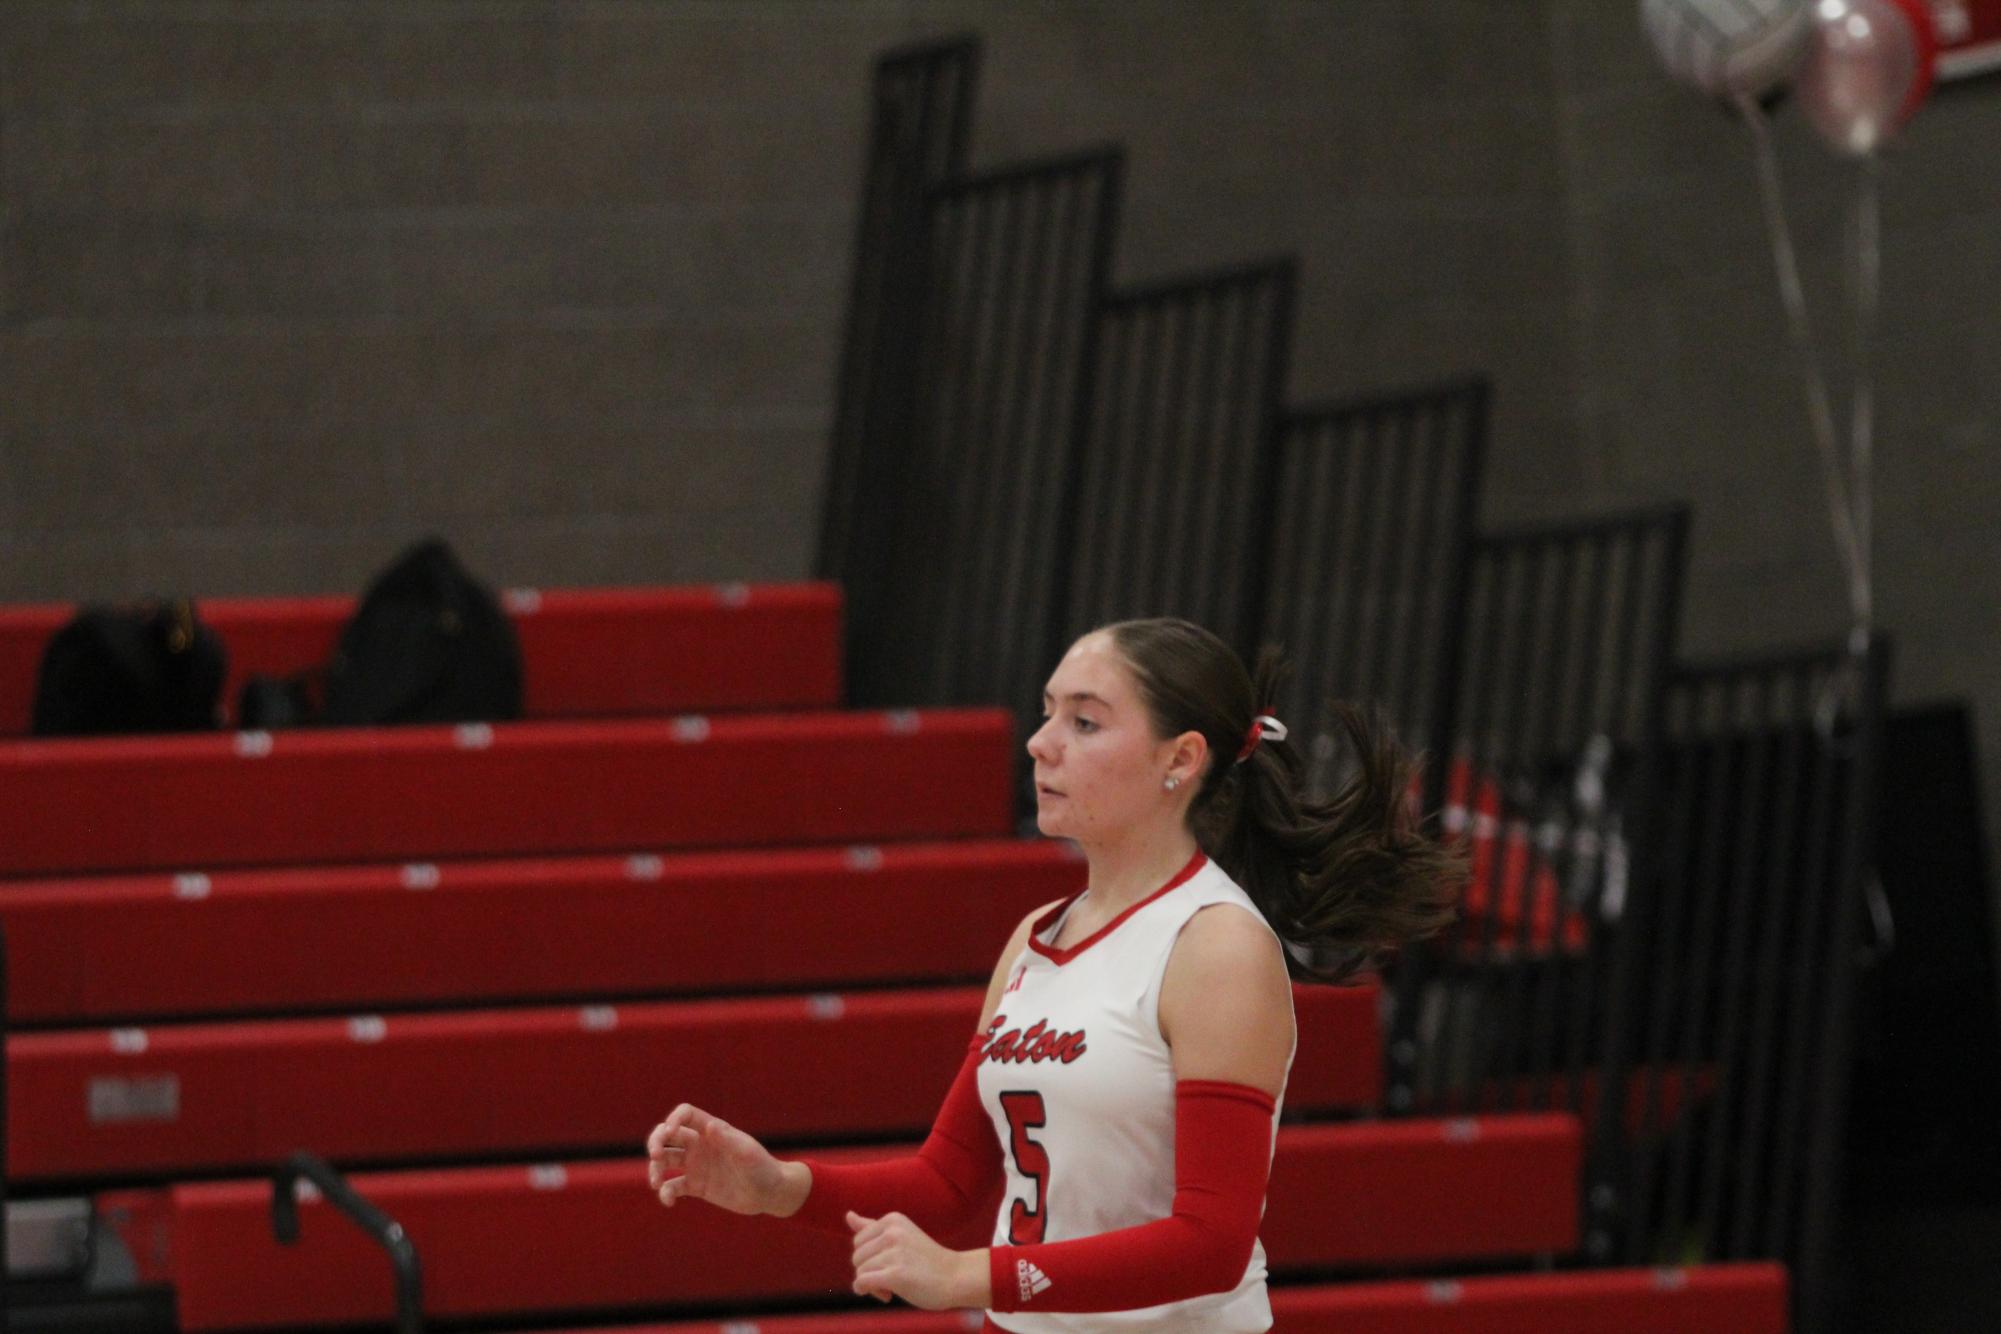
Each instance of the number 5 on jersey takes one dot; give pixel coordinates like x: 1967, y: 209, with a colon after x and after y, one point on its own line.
x: 1024, y: 1113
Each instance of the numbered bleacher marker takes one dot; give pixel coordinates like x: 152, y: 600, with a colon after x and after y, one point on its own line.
x: 740, y: 1327
x: 473, y: 736
x: 598, y: 1018
x: 864, y: 857
x: 1444, y: 1292
x: 192, y: 885
x: 421, y: 875
x: 644, y: 866
x: 129, y: 1041
x: 548, y: 1176
x: 253, y: 745
x: 691, y: 727
x: 826, y: 1005
x: 367, y: 1028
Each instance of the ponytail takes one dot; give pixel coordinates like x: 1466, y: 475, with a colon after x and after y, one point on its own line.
x: 1338, y: 879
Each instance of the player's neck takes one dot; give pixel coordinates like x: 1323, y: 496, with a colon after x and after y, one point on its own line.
x: 1134, y: 867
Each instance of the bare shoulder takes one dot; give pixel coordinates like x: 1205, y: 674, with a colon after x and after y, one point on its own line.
x: 1015, y: 945
x: 1226, y: 1000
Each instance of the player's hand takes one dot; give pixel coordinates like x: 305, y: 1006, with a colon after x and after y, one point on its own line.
x: 716, y: 1161
x: 893, y: 1257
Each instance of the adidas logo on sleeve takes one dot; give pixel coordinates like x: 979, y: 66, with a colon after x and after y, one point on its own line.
x: 1033, y: 1281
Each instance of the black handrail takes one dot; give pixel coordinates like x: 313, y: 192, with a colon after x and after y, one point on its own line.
x: 386, y: 1230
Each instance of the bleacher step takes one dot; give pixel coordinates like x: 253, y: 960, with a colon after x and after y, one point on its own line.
x: 161, y: 945
x: 481, y: 1084
x: 1704, y: 1299
x: 585, y: 652
x: 367, y: 794
x: 590, y: 1236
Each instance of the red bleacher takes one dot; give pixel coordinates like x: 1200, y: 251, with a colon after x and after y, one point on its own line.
x: 88, y: 1102
x: 569, y: 1236
x: 584, y: 652
x: 478, y: 963
x: 131, y: 803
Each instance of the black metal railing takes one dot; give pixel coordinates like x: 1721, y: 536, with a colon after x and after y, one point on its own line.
x: 387, y: 1232
x: 920, y: 122
x: 1553, y: 671
x: 1737, y: 972
x: 1366, y: 533
x: 1016, y: 260
x: 1174, y: 463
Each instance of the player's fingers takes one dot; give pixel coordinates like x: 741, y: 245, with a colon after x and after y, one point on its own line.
x: 687, y: 1114
x: 866, y: 1251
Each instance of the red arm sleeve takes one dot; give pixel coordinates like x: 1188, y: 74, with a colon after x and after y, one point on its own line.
x: 951, y: 1183
x: 1222, y: 1159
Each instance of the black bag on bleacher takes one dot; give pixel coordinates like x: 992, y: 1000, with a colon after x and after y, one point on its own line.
x: 153, y: 667
x: 427, y: 644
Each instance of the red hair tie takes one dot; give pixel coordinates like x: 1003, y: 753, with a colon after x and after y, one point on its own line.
x: 1260, y: 725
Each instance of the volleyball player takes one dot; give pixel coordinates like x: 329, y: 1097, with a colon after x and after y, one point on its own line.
x: 1117, y: 1111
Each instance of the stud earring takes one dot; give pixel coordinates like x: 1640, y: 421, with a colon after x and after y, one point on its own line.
x: 1172, y: 783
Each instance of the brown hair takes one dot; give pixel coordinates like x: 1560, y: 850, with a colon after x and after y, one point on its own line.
x: 1338, y: 879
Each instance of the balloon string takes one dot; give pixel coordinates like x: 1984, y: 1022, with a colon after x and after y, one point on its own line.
x: 1819, y: 411
x: 1864, y: 287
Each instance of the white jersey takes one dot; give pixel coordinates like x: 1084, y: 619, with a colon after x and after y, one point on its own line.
x: 1080, y: 1086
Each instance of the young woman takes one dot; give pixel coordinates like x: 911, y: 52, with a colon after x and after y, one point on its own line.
x: 1117, y: 1111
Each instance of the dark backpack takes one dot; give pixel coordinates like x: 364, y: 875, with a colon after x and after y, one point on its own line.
x: 153, y: 667
x: 427, y: 644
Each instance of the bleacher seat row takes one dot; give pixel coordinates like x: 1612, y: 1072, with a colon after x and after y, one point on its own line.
x: 471, y: 967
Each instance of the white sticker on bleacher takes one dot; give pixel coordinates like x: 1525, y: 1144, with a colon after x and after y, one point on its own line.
x: 192, y: 885
x: 473, y: 736
x: 115, y: 1101
x: 598, y: 1018
x: 305, y: 1192
x: 1444, y: 1292
x: 548, y: 1176
x: 902, y: 722
x: 645, y: 866
x: 128, y: 1041
x: 864, y: 857
x: 1461, y: 1130
x: 421, y: 875
x: 522, y: 601
x: 751, y: 1327
x: 367, y: 1028
x: 826, y: 1005
x: 691, y: 727
x: 253, y: 745
x: 735, y: 594
x: 1670, y: 1280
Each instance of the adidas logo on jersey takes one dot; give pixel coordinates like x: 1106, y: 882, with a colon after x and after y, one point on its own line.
x: 1033, y: 1281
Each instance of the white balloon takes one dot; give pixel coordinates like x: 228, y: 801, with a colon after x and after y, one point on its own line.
x: 1729, y: 48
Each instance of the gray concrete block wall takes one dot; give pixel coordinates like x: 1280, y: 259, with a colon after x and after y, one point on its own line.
x: 284, y: 285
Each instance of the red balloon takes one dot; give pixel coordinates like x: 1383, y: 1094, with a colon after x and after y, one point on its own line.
x: 1868, y: 67
x: 1925, y: 29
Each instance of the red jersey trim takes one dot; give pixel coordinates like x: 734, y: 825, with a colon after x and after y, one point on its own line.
x: 1061, y: 957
